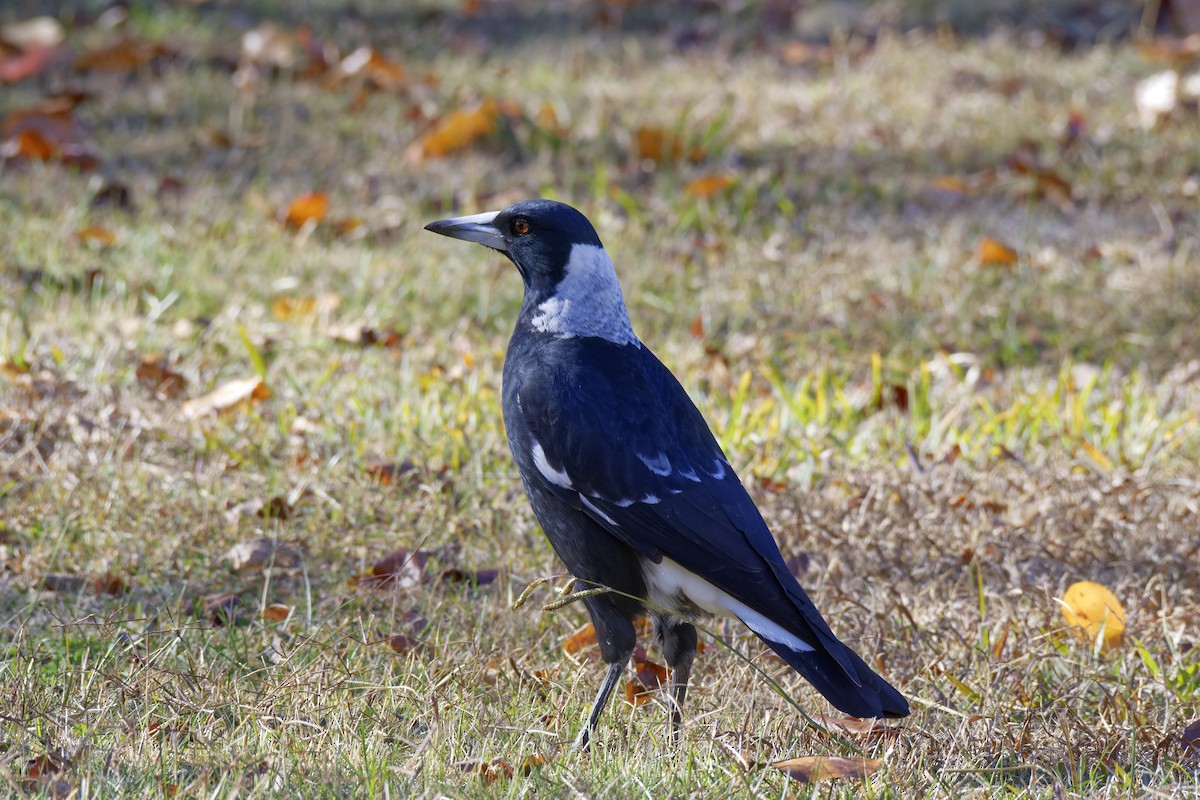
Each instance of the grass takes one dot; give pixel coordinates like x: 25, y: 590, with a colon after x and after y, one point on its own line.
x: 941, y: 445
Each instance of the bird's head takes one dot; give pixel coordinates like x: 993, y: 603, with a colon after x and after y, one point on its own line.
x: 571, y: 288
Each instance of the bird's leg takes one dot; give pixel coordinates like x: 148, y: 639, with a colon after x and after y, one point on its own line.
x: 677, y: 641
x: 611, y: 677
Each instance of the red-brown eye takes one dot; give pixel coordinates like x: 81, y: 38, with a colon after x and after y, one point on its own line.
x: 521, y: 226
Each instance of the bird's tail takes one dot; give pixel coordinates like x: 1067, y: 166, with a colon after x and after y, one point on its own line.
x: 871, y: 697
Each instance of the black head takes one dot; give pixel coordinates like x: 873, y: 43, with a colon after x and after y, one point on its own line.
x: 537, y: 235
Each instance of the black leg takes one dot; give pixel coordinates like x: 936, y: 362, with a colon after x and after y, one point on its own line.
x: 611, y: 678
x: 616, y: 636
x: 677, y: 641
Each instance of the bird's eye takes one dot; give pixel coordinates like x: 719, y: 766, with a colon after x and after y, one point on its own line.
x: 521, y: 226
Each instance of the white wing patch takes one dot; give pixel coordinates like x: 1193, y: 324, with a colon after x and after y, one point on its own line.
x: 558, y: 477
x: 587, y: 301
x: 590, y: 506
x: 718, y: 469
x: 690, y: 474
x: 659, y: 464
x: 650, y: 499
x: 667, y: 580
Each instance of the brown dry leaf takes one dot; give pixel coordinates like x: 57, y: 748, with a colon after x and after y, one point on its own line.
x: 96, y: 235
x: 648, y: 677
x: 269, y: 45
x: 42, y: 775
x: 44, y: 132
x: 63, y: 583
x: 220, y: 609
x: 488, y: 771
x: 31, y: 61
x: 404, y: 473
x: 993, y: 253
x: 291, y: 307
x: 379, y: 72
x: 657, y: 145
x: 125, y: 54
x: 262, y: 552
x: 110, y: 584
x: 276, y: 612
x: 581, y: 640
x: 1171, y: 49
x: 456, y: 131
x: 1190, y: 738
x: 157, y: 375
x: 311, y: 206
x: 709, y: 185
x: 227, y: 396
x: 811, y: 769
x: 477, y: 577
x: 853, y: 726
x: 401, y: 569
x: 1090, y: 607
x: 949, y: 183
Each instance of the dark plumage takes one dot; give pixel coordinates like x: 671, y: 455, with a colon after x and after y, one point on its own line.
x: 628, y: 482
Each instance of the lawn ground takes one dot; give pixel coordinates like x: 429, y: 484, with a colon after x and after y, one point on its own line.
x: 935, y: 288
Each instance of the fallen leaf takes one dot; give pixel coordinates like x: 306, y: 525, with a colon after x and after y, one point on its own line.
x: 31, y: 61
x: 401, y: 569
x: 227, y: 396
x: 63, y: 583
x: 709, y: 186
x: 657, y: 145
x: 290, y: 307
x: 95, y: 235
x: 1190, y: 738
x: 44, y: 30
x: 1156, y: 97
x: 477, y: 577
x: 157, y: 375
x: 276, y: 612
x: 457, y: 130
x: 1091, y: 609
x: 109, y: 584
x: 45, y: 132
x: 220, y: 609
x: 811, y: 769
x: 307, y: 207
x: 993, y: 253
x: 269, y: 45
x: 488, y: 771
x: 648, y: 677
x: 125, y: 54
x: 853, y: 726
x: 405, y: 472
x: 582, y: 639
x: 263, y: 552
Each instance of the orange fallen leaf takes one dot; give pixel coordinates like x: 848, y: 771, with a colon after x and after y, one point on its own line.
x: 276, y: 612
x: 811, y: 769
x: 582, y: 639
x: 311, y: 206
x: 648, y: 677
x: 457, y: 130
x: 226, y: 397
x: 292, y: 307
x: 949, y: 183
x: 993, y: 253
x: 1094, y: 611
x: 656, y: 145
x: 46, y: 131
x: 156, y: 375
x: 126, y: 54
x: 709, y: 186
x: 95, y: 234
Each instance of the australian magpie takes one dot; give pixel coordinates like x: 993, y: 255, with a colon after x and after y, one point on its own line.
x: 627, y: 481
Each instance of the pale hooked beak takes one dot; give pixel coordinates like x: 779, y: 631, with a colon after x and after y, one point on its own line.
x: 475, y: 228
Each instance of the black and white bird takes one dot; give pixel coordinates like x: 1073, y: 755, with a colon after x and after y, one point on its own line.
x: 627, y: 481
